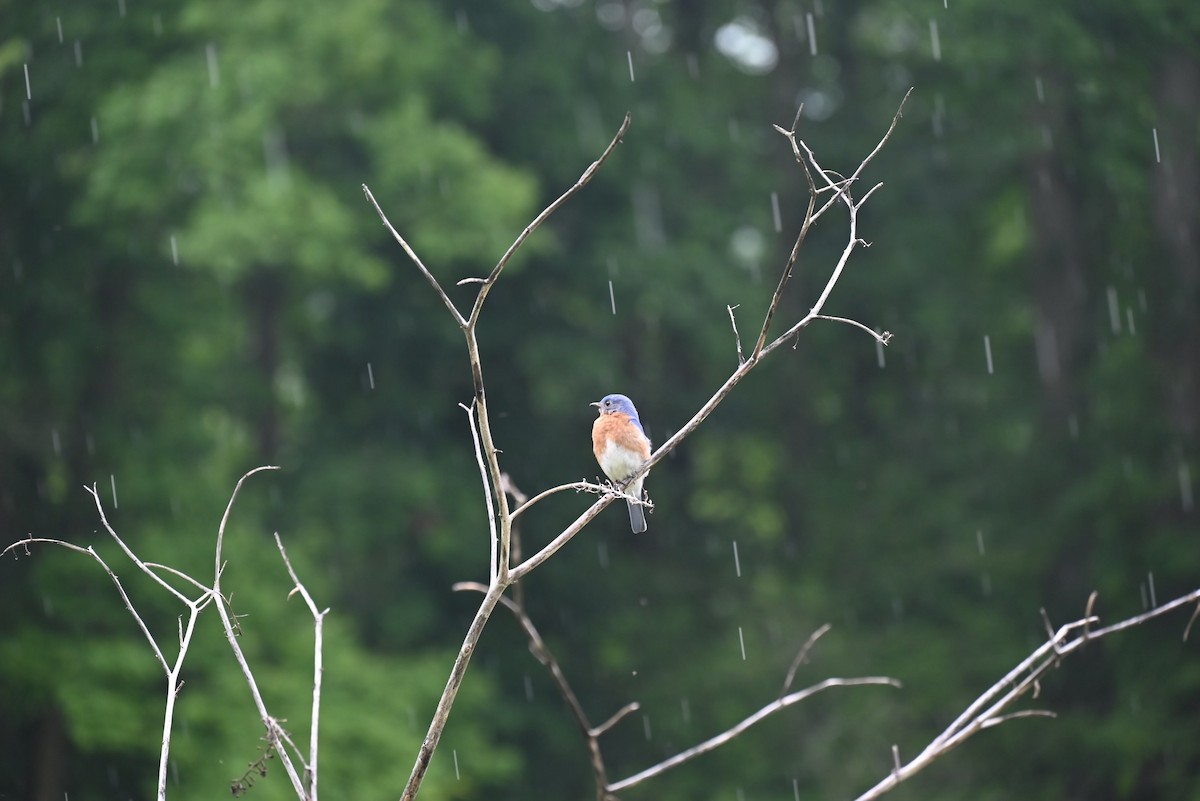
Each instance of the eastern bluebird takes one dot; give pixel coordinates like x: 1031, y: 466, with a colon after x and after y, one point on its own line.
x: 622, y: 447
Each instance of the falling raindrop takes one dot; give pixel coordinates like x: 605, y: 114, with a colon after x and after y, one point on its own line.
x: 812, y: 33
x: 214, y: 72
x: 1150, y: 584
x: 1185, y: 486
x: 1157, y: 153
x: 775, y: 212
x: 121, y: 8
x: 56, y: 441
x: 879, y: 354
x: 113, y: 480
x: 796, y: 789
x: 95, y: 131
x: 646, y: 725
x: 742, y: 643
x: 612, y: 299
x: 740, y: 795
x: 456, y: 774
x: 174, y: 251
x: 28, y: 89
x: 1041, y: 90
x: 370, y: 376
x: 979, y: 540
x: 987, y: 351
x: 58, y: 22
x: 629, y: 58
x: 78, y: 53
x: 528, y: 688
x: 935, y: 43
x: 1129, y: 321
x: 1114, y: 311
x: 939, y: 114
x: 686, y: 708
x: 737, y: 565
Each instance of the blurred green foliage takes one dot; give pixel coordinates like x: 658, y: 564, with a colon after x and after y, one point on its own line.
x: 191, y: 284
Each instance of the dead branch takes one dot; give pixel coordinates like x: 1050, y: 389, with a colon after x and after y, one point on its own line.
x: 318, y: 667
x: 989, y: 709
x: 499, y: 513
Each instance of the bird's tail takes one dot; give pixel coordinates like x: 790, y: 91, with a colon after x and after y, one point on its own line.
x: 637, y: 517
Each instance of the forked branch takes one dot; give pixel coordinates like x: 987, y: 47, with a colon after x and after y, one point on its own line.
x: 991, y: 708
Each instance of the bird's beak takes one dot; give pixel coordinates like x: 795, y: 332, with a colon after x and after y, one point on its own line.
x: 595, y: 403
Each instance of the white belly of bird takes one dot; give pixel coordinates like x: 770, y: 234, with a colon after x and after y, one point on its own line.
x: 618, y: 462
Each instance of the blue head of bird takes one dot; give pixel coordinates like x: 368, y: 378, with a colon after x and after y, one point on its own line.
x: 611, y: 404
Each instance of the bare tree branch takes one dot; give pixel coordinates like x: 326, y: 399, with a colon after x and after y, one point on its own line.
x: 882, y: 339
x: 802, y: 656
x: 737, y: 338
x: 318, y: 667
x: 493, y: 563
x: 172, y: 671
x: 506, y: 573
x: 433, y: 282
x: 541, y: 218
x: 988, y: 710
x: 734, y: 731
x: 274, y: 730
x: 500, y: 514
x: 744, y: 368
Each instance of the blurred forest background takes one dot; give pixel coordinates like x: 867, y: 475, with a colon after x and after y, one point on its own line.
x: 192, y: 284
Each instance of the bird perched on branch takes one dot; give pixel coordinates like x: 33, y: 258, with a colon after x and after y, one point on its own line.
x: 622, y: 447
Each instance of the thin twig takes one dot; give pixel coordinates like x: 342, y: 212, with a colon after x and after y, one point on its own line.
x: 789, y: 266
x: 734, y: 731
x: 737, y: 338
x: 433, y: 282
x: 882, y: 339
x: 628, y: 709
x: 318, y: 666
x: 538, y: 220
x: 801, y: 656
x: 269, y: 723
x: 578, y: 486
x: 493, y: 563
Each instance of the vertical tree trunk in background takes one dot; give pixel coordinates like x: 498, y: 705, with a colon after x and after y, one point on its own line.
x: 1176, y: 185
x: 264, y: 307
x: 1058, y: 257
x: 49, y: 766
